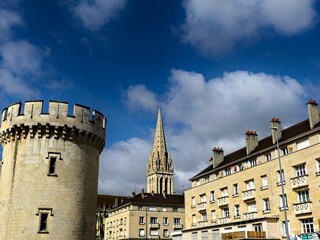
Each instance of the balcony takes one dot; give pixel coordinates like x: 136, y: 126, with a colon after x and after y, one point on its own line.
x: 302, y: 208
x: 249, y: 194
x: 154, y: 237
x: 154, y: 225
x: 177, y: 226
x: 202, y: 224
x: 201, y: 206
x: 224, y: 220
x: 300, y: 181
x: 223, y: 201
x: 250, y: 215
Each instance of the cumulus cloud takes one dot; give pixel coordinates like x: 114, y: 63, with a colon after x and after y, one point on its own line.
x: 95, y: 14
x: 8, y: 19
x: 215, y: 27
x: 139, y: 97
x: 208, y: 113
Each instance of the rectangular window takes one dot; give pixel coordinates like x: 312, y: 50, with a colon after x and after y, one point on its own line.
x: 224, y: 192
x: 252, y: 207
x: 165, y: 221
x: 283, y: 228
x: 300, y: 170
x: 235, y: 189
x: 194, y: 219
x: 318, y: 166
x: 141, y: 220
x: 165, y: 233
x: 213, y: 215
x: 206, y: 179
x: 237, y: 210
x: 284, y: 151
x: 141, y: 232
x: 267, y: 157
x: 52, y: 165
x: 266, y: 205
x: 281, y: 201
x: 43, y: 222
x: 204, y: 217
x: 307, y: 225
x: 227, y: 171
x: 303, y: 144
x: 257, y: 227
x: 197, y: 183
x: 140, y: 208
x: 225, y: 212
x: 194, y: 236
x: 212, y: 196
x: 203, y: 198
x: 280, y: 176
x: 153, y: 220
x: 152, y: 209
x: 175, y: 209
x: 177, y: 220
x: 154, y: 232
x: 252, y: 162
x: 264, y: 182
x: 204, y: 235
x: 250, y: 184
x: 193, y: 201
x: 303, y: 196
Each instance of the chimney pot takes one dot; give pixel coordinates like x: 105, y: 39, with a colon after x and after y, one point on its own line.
x: 313, y: 113
x: 217, y: 156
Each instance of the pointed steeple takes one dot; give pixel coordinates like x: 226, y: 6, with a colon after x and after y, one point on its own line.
x: 160, y: 166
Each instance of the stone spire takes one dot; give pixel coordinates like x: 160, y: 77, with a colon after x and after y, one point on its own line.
x: 160, y: 166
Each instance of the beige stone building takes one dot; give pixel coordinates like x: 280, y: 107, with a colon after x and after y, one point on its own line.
x: 49, y: 171
x: 239, y: 195
x: 156, y: 214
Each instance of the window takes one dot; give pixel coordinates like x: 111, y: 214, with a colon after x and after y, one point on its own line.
x: 303, y: 196
x: 152, y: 209
x: 213, y: 216
x: 264, y: 182
x: 164, y: 209
x: 257, y: 227
x: 197, y: 183
x: 204, y: 217
x: 318, y: 166
x: 235, y: 189
x: 236, y: 210
x: 175, y: 209
x: 279, y: 177
x: 252, y: 162
x: 252, y: 207
x: 194, y: 236
x: 141, y: 220
x: 212, y: 196
x: 206, y: 179
x: 154, y: 232
x: 225, y: 212
x: 194, y: 219
x: 165, y: 221
x: 307, y: 225
x: 140, y: 208
x: 283, y: 228
x: 266, y: 205
x: 165, y: 233
x: 300, y: 170
x: 250, y: 184
x: 193, y: 201
x: 204, y: 235
x: 43, y: 214
x: 153, y: 220
x: 227, y: 171
x: 177, y: 220
x: 303, y: 144
x: 224, y: 192
x: 267, y: 157
x: 284, y: 151
x: 281, y: 201
x: 203, y: 198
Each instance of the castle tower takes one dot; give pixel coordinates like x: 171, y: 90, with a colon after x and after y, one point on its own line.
x: 160, y: 167
x: 49, y: 174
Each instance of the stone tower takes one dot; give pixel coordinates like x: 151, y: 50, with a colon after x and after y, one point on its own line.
x: 49, y: 174
x: 160, y: 167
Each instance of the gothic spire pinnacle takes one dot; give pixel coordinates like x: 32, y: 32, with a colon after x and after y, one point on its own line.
x: 159, y: 139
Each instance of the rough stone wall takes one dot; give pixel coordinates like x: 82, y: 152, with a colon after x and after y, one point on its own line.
x: 29, y: 139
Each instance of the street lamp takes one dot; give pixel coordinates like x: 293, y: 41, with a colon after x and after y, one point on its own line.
x: 282, y: 187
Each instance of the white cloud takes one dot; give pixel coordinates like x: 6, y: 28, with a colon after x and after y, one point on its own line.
x: 8, y: 19
x: 139, y: 96
x: 215, y: 27
x: 95, y: 14
x: 59, y: 84
x: 209, y: 113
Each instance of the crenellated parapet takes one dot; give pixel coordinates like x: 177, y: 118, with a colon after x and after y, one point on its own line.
x: 31, y: 121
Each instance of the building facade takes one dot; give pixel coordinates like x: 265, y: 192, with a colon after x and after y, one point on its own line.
x: 239, y: 195
x: 49, y: 171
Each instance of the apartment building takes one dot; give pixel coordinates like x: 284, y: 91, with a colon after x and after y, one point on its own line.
x: 239, y: 195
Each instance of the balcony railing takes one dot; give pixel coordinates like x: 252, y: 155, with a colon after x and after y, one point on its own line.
x: 249, y: 194
x: 301, y: 208
x: 224, y: 220
x: 250, y: 215
x: 154, y: 225
x: 223, y: 201
x: 177, y: 226
x: 201, y: 206
x: 202, y: 224
x: 300, y: 181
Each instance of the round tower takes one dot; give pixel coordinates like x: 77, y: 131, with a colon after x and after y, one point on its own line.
x: 49, y: 171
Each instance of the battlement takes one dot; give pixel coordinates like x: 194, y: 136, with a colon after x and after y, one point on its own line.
x: 55, y: 122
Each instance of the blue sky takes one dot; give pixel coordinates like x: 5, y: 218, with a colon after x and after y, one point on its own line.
x: 217, y: 68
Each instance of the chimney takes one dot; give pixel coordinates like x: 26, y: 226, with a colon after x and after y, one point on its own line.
x: 251, y: 141
x: 275, y: 124
x: 217, y: 156
x: 313, y: 113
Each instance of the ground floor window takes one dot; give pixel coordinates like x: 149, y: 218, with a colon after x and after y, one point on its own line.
x: 141, y: 233
x: 257, y: 227
x: 43, y: 214
x: 307, y: 225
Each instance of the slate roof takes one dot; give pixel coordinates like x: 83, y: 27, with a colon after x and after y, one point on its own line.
x: 287, y: 134
x: 107, y: 200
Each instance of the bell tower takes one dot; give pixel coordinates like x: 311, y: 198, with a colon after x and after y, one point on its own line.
x: 160, y: 166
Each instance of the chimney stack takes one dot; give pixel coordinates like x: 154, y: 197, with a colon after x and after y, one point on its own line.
x: 251, y: 141
x: 217, y: 156
x: 313, y: 113
x: 275, y: 124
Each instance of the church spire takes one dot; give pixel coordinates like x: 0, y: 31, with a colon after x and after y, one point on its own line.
x: 160, y: 166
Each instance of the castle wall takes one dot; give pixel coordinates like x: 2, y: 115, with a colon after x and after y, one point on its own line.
x: 29, y: 189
